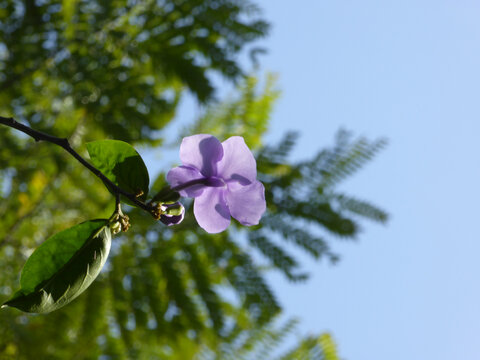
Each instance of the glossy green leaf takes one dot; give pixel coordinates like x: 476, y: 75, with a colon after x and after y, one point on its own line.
x: 122, y: 165
x: 63, y: 267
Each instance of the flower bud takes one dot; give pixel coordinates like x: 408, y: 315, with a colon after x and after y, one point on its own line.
x: 172, y: 214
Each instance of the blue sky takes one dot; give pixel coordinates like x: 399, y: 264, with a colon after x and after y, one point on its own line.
x: 408, y: 71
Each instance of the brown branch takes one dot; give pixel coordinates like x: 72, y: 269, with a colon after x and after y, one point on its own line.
x: 63, y: 142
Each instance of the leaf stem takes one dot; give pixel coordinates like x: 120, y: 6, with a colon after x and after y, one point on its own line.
x: 118, y: 205
x: 63, y: 142
x: 171, y: 194
x: 201, y: 181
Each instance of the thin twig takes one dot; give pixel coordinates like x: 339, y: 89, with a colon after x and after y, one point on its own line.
x: 118, y: 205
x: 63, y: 142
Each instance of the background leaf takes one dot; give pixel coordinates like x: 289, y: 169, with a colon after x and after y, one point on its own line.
x: 121, y: 164
x: 63, y: 267
x: 94, y: 69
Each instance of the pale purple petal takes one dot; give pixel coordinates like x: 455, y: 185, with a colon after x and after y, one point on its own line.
x: 247, y: 204
x: 211, y: 210
x: 183, y: 174
x: 238, y: 163
x: 201, y: 151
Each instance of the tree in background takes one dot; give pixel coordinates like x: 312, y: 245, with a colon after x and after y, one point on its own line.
x: 89, y: 70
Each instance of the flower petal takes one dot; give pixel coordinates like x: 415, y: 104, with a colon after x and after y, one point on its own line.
x: 247, y: 203
x: 183, y: 174
x: 211, y: 210
x: 238, y: 163
x: 201, y: 151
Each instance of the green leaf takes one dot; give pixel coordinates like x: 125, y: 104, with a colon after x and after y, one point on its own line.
x: 122, y: 165
x: 63, y: 267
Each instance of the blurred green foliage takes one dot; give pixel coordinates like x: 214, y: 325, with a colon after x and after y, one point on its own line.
x: 89, y: 70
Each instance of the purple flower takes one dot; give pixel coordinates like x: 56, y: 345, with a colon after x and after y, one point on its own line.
x: 222, y: 177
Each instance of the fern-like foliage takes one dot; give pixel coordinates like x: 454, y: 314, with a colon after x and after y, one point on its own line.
x: 247, y: 113
x: 304, y: 205
x: 320, y: 347
x: 117, y: 67
x: 168, y: 292
x: 194, y: 276
x: 267, y: 342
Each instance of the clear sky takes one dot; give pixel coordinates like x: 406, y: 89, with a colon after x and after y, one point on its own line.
x: 407, y: 70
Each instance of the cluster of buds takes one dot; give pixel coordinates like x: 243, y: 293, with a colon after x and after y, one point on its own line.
x: 120, y: 222
x: 169, y: 213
